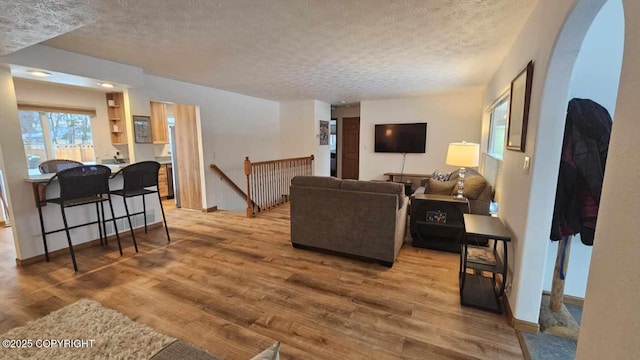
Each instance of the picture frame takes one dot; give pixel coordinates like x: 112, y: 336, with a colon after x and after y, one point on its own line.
x: 142, y: 129
x: 437, y: 216
x: 519, y: 103
x: 324, y: 132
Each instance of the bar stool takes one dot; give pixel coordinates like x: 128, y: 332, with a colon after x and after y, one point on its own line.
x: 52, y: 167
x: 83, y: 185
x: 55, y: 165
x: 138, y: 178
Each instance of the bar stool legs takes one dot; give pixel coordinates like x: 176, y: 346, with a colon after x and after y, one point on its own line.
x: 164, y: 218
x: 115, y: 227
x: 99, y: 225
x: 44, y: 236
x: 66, y: 229
x: 133, y: 234
x: 104, y: 224
x: 144, y: 210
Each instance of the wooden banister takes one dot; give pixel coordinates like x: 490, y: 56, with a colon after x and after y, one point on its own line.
x: 233, y: 185
x: 268, y: 181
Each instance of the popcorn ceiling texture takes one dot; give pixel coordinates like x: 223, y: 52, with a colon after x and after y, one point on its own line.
x: 25, y: 23
x: 331, y: 50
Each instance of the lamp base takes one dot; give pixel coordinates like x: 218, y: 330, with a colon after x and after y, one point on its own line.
x: 460, y: 193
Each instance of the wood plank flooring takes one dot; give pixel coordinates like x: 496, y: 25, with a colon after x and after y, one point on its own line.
x: 233, y: 286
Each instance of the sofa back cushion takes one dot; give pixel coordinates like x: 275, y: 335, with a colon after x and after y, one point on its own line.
x: 436, y: 187
x: 380, y: 187
x: 317, y: 181
x: 455, y: 174
x: 474, y: 185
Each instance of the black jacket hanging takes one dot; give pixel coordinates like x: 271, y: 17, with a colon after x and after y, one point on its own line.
x: 584, y: 155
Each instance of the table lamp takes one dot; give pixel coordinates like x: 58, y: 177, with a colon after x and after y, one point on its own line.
x: 463, y: 154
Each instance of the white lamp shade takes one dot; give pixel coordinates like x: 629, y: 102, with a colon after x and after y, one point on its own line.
x: 463, y: 154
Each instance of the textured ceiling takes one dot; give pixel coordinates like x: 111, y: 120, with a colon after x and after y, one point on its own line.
x: 307, y: 49
x: 22, y: 25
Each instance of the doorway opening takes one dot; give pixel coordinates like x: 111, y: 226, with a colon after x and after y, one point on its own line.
x: 594, y: 74
x: 346, y: 155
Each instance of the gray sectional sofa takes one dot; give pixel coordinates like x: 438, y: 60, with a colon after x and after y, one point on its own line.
x: 361, y: 218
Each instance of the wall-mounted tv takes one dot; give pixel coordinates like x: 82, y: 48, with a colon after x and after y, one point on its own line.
x: 401, y: 138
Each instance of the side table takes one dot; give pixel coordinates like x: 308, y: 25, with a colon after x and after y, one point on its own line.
x: 436, y: 221
x: 477, y: 290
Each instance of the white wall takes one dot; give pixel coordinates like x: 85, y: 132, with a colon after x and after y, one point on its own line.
x: 300, y: 131
x: 338, y: 113
x: 527, y: 198
x: 450, y: 116
x: 322, y: 111
x: 297, y: 128
x: 611, y: 317
x: 596, y: 76
x: 62, y: 95
x: 233, y: 126
x: 14, y: 169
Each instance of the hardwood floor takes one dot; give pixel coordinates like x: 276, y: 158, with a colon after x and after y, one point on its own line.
x: 233, y: 286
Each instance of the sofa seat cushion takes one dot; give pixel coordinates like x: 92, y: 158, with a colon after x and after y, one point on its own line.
x: 317, y: 181
x: 473, y: 186
x: 380, y: 187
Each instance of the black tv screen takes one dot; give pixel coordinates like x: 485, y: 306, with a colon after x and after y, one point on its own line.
x: 401, y: 138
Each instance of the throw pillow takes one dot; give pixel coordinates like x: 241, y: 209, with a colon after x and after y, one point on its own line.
x: 440, y: 176
x: 272, y: 353
x: 440, y: 187
x: 473, y: 187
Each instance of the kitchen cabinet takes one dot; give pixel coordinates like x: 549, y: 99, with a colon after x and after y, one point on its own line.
x: 159, y: 125
x: 117, y: 121
x: 163, y: 184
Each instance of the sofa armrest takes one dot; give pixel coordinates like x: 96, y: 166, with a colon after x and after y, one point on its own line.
x: 401, y: 228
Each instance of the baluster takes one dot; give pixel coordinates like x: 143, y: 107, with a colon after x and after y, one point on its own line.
x: 247, y: 172
x: 262, y: 198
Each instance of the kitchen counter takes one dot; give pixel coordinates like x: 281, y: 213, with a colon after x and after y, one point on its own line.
x: 51, y: 217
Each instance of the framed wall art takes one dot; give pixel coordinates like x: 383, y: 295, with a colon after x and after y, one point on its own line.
x: 142, y: 129
x: 324, y: 132
x: 519, y: 109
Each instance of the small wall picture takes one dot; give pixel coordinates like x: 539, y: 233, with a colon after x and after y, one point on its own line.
x: 437, y: 216
x: 324, y: 132
x: 142, y: 129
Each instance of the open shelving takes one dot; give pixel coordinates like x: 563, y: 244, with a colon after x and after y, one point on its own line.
x: 117, y: 124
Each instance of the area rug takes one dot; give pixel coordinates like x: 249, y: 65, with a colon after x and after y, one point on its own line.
x: 83, y: 330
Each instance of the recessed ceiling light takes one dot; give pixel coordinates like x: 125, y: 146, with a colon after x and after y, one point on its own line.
x: 106, y: 85
x: 343, y: 102
x: 40, y: 73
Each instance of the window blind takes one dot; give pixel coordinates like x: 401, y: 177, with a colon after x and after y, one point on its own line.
x: 27, y: 106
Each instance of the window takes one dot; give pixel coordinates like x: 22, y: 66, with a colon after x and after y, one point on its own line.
x: 55, y: 135
x: 498, y: 128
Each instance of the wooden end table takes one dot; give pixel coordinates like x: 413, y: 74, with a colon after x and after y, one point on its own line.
x: 476, y: 289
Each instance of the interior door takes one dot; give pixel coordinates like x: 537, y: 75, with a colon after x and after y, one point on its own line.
x: 350, y: 147
x: 188, y: 158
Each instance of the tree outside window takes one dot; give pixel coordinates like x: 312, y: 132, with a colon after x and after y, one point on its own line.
x: 55, y: 135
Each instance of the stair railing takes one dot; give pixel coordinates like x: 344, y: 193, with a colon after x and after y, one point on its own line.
x: 268, y: 181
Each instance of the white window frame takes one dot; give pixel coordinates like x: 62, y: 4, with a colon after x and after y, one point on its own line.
x: 503, y: 99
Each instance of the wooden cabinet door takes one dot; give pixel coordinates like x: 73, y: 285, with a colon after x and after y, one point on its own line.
x: 188, y: 157
x: 159, y: 127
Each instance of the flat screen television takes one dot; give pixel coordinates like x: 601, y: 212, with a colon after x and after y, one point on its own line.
x: 401, y: 138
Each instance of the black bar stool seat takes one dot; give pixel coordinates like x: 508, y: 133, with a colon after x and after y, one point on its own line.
x: 132, y: 193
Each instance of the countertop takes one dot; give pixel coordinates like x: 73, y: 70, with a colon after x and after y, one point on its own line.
x: 41, y: 178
